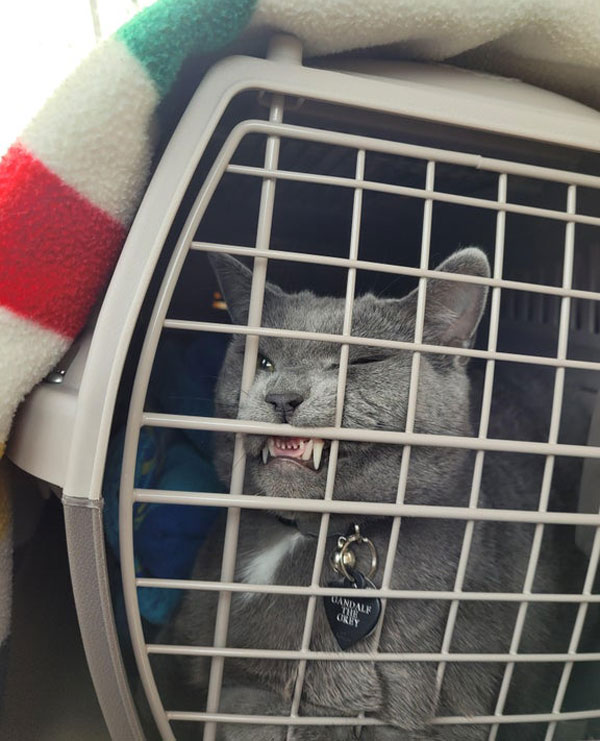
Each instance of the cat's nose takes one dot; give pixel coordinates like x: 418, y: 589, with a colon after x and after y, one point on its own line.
x: 285, y: 403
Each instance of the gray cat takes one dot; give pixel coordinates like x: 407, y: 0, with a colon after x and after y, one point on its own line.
x: 296, y: 383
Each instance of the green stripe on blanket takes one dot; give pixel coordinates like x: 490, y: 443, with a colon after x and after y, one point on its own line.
x: 205, y: 26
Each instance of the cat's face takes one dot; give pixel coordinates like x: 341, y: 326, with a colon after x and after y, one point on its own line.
x: 296, y: 382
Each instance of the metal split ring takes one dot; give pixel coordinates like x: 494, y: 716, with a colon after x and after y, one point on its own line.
x: 344, y: 557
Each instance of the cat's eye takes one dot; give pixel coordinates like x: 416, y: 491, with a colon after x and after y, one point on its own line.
x: 263, y: 363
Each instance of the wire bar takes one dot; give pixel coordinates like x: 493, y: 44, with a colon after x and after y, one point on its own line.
x: 383, y: 593
x: 339, y: 409
x: 294, y: 334
x: 486, y: 406
x: 281, y: 720
x: 411, y: 405
x: 384, y: 267
x: 576, y: 634
x: 404, y: 190
x: 259, y: 277
x: 415, y: 151
x: 377, y: 509
x: 563, y: 339
x: 295, y: 655
x: 391, y: 437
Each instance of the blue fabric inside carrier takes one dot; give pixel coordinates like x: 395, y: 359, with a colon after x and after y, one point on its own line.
x: 167, y: 537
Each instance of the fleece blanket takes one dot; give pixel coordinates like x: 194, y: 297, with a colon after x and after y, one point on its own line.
x: 70, y: 185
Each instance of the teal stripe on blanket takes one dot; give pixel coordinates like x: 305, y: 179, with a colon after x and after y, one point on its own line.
x: 164, y: 34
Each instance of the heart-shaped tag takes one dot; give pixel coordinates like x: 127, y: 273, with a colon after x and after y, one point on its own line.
x: 352, y: 618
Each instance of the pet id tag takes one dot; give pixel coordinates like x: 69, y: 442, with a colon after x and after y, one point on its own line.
x: 352, y: 618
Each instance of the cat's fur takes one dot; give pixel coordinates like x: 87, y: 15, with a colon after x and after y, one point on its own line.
x: 270, y: 551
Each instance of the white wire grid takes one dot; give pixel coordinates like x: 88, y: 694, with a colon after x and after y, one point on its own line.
x: 234, y: 501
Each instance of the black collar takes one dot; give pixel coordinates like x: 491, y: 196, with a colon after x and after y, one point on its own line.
x: 366, y: 525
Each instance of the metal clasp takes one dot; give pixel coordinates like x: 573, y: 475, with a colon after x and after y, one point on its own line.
x: 344, y: 558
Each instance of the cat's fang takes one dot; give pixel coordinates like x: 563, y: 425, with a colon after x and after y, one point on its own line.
x: 317, y: 450
x: 265, y: 454
x: 308, y: 450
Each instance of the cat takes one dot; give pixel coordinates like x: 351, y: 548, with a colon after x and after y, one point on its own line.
x: 296, y: 383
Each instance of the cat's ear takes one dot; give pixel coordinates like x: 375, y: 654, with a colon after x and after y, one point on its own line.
x: 235, y: 282
x: 454, y: 309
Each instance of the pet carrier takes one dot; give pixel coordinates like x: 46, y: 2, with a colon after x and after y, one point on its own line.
x: 344, y: 176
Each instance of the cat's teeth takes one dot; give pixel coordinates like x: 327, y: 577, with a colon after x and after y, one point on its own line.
x: 308, y: 449
x: 317, y: 451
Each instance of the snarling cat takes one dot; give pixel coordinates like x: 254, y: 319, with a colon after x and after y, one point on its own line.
x: 296, y: 383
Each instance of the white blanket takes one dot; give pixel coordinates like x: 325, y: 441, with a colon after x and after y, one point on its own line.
x: 550, y: 43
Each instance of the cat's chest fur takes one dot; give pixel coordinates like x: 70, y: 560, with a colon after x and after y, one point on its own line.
x: 270, y: 553
x: 259, y: 562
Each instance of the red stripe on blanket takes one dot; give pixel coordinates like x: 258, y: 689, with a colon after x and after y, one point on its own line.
x: 56, y: 248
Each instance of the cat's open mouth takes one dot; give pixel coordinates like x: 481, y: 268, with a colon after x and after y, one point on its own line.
x: 306, y: 451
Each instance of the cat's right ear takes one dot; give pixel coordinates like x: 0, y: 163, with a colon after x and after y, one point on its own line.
x: 453, y: 309
x: 235, y: 282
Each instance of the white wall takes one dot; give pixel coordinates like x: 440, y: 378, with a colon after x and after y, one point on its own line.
x: 41, y: 42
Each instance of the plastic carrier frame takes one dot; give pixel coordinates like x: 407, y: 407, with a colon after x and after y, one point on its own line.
x: 80, y: 456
